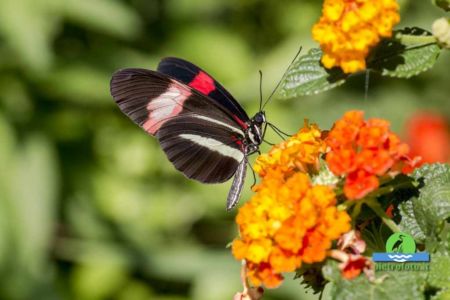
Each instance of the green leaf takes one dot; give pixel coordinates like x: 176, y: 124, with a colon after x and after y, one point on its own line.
x: 439, y: 275
x: 312, y: 277
x: 432, y: 207
x: 441, y: 295
x: 396, y: 285
x: 444, y: 4
x: 307, y: 76
x: 409, y: 223
x: 423, y: 216
x: 433, y: 173
x: 411, y: 51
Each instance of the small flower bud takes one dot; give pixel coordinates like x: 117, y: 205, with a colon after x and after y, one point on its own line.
x: 441, y: 30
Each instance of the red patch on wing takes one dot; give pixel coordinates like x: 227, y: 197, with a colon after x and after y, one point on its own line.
x: 238, y: 142
x: 240, y: 122
x: 203, y: 83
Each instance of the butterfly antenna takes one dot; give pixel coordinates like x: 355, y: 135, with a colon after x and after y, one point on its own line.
x: 282, y: 77
x: 260, y: 90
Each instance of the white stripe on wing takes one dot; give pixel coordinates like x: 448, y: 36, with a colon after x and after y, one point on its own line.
x: 214, y: 145
x: 234, y: 129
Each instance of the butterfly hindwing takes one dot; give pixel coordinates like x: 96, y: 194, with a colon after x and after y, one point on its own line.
x: 198, y: 79
x: 203, y: 150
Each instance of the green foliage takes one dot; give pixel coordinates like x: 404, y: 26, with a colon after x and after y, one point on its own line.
x: 432, y: 207
x: 438, y: 174
x: 444, y: 4
x: 409, y: 223
x: 410, y: 52
x: 311, y: 276
x: 306, y: 76
x: 426, y: 218
x: 423, y: 216
x: 392, y: 285
x: 439, y: 272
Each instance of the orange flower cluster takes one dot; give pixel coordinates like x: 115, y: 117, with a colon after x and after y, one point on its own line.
x: 288, y: 221
x: 363, y: 151
x: 348, y: 29
x: 298, y: 153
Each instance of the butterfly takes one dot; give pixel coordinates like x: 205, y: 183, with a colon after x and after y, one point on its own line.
x: 202, y: 129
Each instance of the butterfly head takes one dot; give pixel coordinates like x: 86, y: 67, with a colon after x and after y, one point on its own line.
x: 259, y: 118
x: 255, y: 131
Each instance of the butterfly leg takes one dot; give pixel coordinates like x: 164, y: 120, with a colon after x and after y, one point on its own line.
x: 263, y: 135
x: 253, y: 171
x: 279, y: 132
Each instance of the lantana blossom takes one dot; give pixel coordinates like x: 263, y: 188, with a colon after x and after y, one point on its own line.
x: 288, y: 221
x: 363, y: 151
x: 349, y: 29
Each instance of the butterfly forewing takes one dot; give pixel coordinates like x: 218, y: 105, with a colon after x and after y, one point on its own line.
x: 150, y: 99
x: 199, y: 135
x: 198, y: 79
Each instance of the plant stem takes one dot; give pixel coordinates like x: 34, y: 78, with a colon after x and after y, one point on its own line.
x: 390, y: 188
x: 356, y: 210
x: 346, y: 205
x: 375, y: 206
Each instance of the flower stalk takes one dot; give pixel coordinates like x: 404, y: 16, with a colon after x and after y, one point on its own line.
x: 375, y: 206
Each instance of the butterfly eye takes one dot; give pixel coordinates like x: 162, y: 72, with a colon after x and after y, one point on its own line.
x: 259, y: 119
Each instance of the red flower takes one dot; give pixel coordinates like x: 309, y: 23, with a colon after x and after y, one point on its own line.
x: 354, y: 266
x: 349, y: 253
x: 360, y: 183
x: 428, y: 135
x: 342, y: 161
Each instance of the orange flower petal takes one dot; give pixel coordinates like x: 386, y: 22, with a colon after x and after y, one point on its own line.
x: 360, y: 183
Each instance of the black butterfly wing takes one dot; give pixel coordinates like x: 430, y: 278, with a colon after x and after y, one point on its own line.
x: 150, y: 98
x: 198, y: 135
x: 201, y: 150
x: 195, y: 77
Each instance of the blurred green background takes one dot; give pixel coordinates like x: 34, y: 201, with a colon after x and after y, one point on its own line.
x: 89, y: 206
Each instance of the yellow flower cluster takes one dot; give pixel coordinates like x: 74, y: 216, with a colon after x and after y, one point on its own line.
x: 288, y: 221
x: 298, y: 153
x: 348, y: 29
